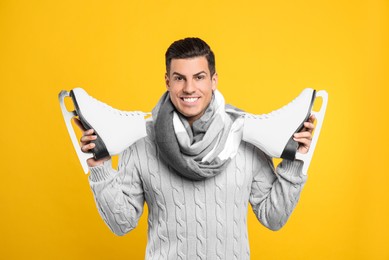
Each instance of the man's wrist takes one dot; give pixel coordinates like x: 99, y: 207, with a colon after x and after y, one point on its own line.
x: 102, y: 171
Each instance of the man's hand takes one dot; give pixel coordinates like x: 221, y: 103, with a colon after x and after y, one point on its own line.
x: 86, y: 145
x: 304, y: 137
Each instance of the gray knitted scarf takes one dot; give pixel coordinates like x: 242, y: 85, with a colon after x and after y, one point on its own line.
x: 203, y: 150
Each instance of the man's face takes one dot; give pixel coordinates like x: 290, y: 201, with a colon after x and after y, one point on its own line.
x: 190, y: 86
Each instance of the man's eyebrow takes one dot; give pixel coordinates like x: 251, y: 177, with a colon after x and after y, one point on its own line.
x: 178, y: 74
x: 194, y: 75
x: 201, y: 72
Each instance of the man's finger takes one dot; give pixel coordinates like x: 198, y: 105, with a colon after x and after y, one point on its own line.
x: 88, y: 132
x: 305, y: 134
x: 88, y: 147
x: 303, y: 141
x: 88, y: 138
x: 312, y: 118
x: 309, y: 126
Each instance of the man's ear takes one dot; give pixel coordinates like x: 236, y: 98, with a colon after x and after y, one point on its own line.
x: 214, y: 81
x: 167, y: 81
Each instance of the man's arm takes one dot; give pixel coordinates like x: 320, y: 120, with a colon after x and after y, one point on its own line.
x: 118, y: 194
x: 275, y: 193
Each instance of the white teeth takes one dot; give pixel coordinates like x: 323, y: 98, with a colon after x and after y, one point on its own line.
x: 190, y: 99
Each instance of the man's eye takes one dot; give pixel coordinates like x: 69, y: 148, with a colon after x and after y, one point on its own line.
x: 200, y: 77
x: 178, y: 78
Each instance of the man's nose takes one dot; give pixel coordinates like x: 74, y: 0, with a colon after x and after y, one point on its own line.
x: 189, y: 87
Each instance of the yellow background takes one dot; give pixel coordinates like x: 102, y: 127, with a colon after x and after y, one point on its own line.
x: 267, y: 52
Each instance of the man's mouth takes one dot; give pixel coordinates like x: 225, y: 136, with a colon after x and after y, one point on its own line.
x: 190, y: 99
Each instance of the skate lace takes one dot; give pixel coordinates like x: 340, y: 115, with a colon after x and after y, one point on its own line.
x: 120, y: 112
x: 271, y: 114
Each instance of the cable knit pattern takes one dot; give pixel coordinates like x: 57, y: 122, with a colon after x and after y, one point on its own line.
x: 237, y: 228
x: 195, y: 219
x: 155, y: 181
x: 200, y: 214
x: 220, y: 199
x: 180, y: 214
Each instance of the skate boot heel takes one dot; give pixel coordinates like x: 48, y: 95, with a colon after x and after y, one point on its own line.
x: 100, y: 151
x: 319, y: 115
x: 115, y: 129
x: 290, y: 150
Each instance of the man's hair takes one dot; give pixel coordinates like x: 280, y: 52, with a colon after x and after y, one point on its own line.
x: 190, y: 48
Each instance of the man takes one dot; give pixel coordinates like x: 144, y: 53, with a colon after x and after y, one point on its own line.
x: 196, y: 182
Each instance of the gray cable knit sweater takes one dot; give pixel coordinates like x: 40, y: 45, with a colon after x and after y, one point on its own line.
x: 195, y: 219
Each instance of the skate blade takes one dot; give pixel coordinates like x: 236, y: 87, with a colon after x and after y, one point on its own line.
x: 307, y: 157
x: 68, y: 117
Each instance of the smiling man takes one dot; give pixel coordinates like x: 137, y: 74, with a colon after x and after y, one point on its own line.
x: 190, y: 84
x: 195, y: 174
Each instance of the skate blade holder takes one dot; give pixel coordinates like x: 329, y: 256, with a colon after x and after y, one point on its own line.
x: 68, y: 116
x: 319, y: 115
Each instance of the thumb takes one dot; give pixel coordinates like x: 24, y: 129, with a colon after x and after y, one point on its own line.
x: 79, y: 124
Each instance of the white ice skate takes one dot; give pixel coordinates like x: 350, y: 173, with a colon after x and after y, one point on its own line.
x: 116, y: 130
x: 273, y: 132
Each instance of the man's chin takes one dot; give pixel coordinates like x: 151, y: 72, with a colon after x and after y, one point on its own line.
x: 191, y: 117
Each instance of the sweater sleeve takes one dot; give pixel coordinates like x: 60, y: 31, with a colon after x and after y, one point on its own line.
x: 275, y: 193
x: 118, y: 194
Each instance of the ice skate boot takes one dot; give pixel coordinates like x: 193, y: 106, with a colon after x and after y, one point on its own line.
x: 116, y: 130
x: 273, y: 132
